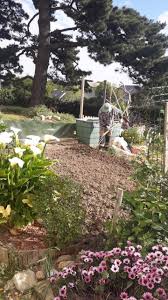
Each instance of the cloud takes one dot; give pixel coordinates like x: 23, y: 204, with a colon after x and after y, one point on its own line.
x: 163, y: 18
x: 127, y: 3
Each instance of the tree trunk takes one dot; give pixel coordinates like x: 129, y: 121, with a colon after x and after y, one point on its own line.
x: 40, y: 77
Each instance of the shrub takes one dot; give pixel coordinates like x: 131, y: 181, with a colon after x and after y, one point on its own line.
x: 23, y: 166
x: 58, y: 205
x: 41, y: 110
x: 7, y: 96
x: 146, y: 208
x: 132, y: 136
x: 115, y: 274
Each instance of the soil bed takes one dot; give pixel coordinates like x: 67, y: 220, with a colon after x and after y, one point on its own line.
x: 31, y: 237
x: 99, y: 173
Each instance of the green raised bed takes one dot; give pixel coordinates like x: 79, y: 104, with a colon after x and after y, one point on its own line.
x: 88, y: 131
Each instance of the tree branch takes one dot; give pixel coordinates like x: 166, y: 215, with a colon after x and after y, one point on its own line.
x: 31, y: 20
x: 65, y: 29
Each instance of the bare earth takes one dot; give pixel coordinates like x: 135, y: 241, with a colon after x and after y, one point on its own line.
x: 99, y: 173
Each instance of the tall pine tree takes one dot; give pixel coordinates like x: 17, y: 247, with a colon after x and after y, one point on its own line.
x: 12, y: 29
x: 109, y: 33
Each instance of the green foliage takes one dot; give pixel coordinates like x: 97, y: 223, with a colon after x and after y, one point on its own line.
x: 18, y: 110
x: 132, y: 136
x: 68, y: 118
x: 58, y: 204
x: 41, y: 110
x: 7, y: 96
x: 146, y: 208
x: 22, y: 91
x: 3, y: 126
x: 22, y: 167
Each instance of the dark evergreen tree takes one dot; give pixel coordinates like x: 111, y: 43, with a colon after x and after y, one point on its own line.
x: 12, y: 28
x: 109, y: 33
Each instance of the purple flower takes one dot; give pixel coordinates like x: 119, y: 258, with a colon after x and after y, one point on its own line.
x: 63, y: 292
x: 115, y: 268
x: 124, y: 296
x: 147, y: 296
x: 57, y: 298
x: 161, y: 292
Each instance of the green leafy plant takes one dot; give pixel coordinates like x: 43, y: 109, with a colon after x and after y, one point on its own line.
x: 58, y: 204
x: 3, y: 126
x: 132, y: 136
x: 22, y: 167
x: 146, y: 207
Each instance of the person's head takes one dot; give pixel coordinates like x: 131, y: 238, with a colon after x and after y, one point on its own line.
x: 107, y: 107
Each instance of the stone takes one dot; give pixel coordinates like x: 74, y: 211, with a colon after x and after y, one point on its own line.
x: 65, y: 264
x: 40, y: 275
x: 24, y: 281
x: 64, y: 258
x: 43, y: 290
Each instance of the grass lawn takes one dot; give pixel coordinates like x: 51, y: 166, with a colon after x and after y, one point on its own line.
x: 20, y: 117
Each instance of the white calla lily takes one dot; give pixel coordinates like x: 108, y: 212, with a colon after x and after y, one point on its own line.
x: 15, y: 130
x: 29, y: 142
x: 35, y: 150
x: 5, y: 138
x: 16, y: 161
x: 34, y: 138
x: 47, y: 138
x: 19, y: 151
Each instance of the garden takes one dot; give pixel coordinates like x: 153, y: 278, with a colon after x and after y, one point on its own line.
x: 58, y: 201
x: 79, y: 221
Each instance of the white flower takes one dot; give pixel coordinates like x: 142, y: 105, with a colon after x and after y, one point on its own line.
x: 34, y: 138
x: 16, y: 161
x: 15, y: 130
x: 29, y: 142
x: 5, y: 138
x: 19, y: 151
x: 48, y: 137
x: 35, y: 150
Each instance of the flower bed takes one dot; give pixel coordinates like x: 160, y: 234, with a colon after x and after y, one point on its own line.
x: 22, y: 167
x: 116, y: 274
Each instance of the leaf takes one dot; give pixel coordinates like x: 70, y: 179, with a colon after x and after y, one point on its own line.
x: 129, y: 284
x: 28, y: 202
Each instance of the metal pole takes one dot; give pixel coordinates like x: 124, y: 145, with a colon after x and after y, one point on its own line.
x: 105, y: 91
x: 82, y: 97
x: 166, y: 138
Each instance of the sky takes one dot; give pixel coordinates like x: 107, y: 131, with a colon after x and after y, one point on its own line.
x: 153, y: 9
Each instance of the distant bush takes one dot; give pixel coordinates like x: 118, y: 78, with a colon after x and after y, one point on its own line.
x: 7, y: 96
x: 58, y: 204
x: 41, y: 110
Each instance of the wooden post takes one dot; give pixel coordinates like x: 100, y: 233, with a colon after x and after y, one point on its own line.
x: 82, y: 97
x: 166, y: 138
x: 119, y: 199
x: 111, y: 91
x: 105, y: 91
